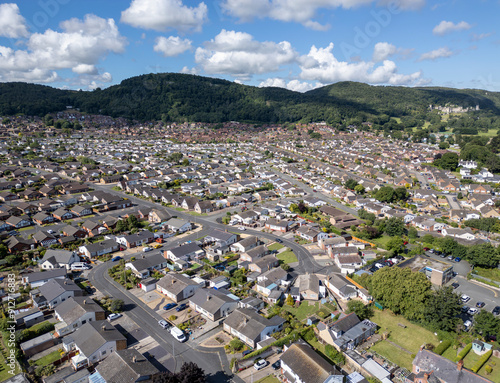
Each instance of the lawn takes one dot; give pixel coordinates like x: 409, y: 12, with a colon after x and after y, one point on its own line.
x: 393, y: 354
x: 382, y: 241
x: 287, y: 256
x: 471, y: 359
x: 4, y: 369
x: 493, y: 274
x: 495, y: 374
x: 268, y: 379
x: 450, y: 354
x: 275, y: 246
x: 303, y: 311
x: 410, y: 338
x: 489, y: 133
x: 47, y: 359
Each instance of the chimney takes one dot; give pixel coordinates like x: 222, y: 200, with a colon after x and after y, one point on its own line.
x: 84, y: 301
x: 460, y: 364
x: 208, y: 297
x: 134, y: 359
x: 103, y: 327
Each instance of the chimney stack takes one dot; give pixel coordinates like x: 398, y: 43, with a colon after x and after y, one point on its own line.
x: 134, y: 359
x: 84, y: 301
x: 103, y: 327
x: 460, y: 364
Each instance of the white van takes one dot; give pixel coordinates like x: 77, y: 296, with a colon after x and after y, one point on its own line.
x: 177, y: 333
x: 79, y: 266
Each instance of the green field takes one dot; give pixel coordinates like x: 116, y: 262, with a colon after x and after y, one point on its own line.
x: 275, y: 246
x: 393, y: 354
x: 495, y: 374
x: 287, y: 256
x: 493, y: 274
x: 303, y: 311
x: 489, y: 133
x: 410, y: 338
x: 382, y: 241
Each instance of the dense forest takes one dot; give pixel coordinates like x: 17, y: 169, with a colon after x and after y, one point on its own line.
x: 182, y: 97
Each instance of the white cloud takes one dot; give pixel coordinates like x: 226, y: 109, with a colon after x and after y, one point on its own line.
x: 295, y: 85
x: 12, y: 24
x: 160, y: 15
x: 436, y: 54
x: 321, y: 65
x: 79, y: 47
x: 302, y: 11
x: 445, y: 27
x: 238, y: 54
x: 187, y: 70
x: 477, y: 37
x: 383, y: 51
x: 171, y: 46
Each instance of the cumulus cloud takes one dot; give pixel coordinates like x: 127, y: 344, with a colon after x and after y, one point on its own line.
x: 436, y: 54
x: 321, y: 65
x: 79, y: 47
x: 12, y: 24
x: 160, y: 15
x: 187, y: 70
x: 171, y: 46
x: 445, y: 27
x: 301, y: 11
x: 295, y: 85
x: 477, y: 37
x: 382, y: 51
x: 238, y: 54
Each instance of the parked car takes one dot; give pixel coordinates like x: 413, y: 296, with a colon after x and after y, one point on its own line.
x: 163, y: 324
x: 146, y: 249
x: 465, y: 298
x: 242, y: 228
x: 480, y: 305
x: 246, y: 352
x: 473, y: 311
x: 458, y: 259
x: 426, y: 249
x: 451, y: 257
x: 279, y: 240
x: 114, y: 316
x: 181, y: 307
x: 455, y: 285
x: 465, y: 308
x: 260, y: 364
x: 496, y: 310
x: 467, y: 325
x: 276, y: 365
x: 117, y: 258
x: 169, y: 306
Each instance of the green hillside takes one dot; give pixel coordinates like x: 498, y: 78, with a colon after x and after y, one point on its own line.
x: 182, y: 97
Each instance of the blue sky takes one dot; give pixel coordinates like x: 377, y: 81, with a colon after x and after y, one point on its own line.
x: 295, y: 44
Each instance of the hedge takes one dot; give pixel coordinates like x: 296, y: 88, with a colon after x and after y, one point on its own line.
x: 482, y: 361
x: 463, y: 353
x: 442, y: 347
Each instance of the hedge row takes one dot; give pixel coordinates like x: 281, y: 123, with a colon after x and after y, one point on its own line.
x: 442, y: 347
x: 482, y: 361
x: 463, y: 353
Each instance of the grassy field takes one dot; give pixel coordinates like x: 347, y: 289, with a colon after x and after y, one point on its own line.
x: 48, y: 359
x: 275, y: 246
x: 303, y: 311
x: 450, y: 354
x: 410, y: 338
x: 287, y: 256
x: 382, y: 241
x: 489, y: 133
x: 269, y: 379
x: 493, y: 274
x: 393, y: 354
x: 495, y: 374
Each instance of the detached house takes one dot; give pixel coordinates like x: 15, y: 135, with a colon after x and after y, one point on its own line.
x: 250, y: 327
x: 143, y: 266
x: 54, y: 259
x: 75, y: 312
x: 177, y: 286
x: 54, y: 292
x: 212, y: 303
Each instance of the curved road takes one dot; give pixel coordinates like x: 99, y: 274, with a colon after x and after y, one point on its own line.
x: 212, y: 361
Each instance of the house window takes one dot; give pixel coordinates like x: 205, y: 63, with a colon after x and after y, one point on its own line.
x: 84, y: 321
x: 104, y: 352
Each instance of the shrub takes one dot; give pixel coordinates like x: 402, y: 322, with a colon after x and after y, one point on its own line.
x: 462, y: 354
x: 442, y: 347
x: 236, y: 344
x: 488, y: 369
x: 337, y: 357
x: 481, y: 361
x: 172, y: 317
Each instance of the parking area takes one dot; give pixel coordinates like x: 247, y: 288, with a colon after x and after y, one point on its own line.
x: 252, y: 375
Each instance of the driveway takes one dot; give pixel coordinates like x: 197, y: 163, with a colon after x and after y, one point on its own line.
x: 251, y: 375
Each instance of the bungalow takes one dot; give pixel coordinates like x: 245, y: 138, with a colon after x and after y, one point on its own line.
x: 158, y: 216
x: 15, y: 244
x: 250, y: 327
x: 245, y: 244
x: 278, y: 225
x: 81, y: 211
x: 265, y: 263
x: 62, y: 214
x: 178, y: 225
x: 203, y: 207
x: 213, y: 304
x: 300, y: 363
x: 93, y: 250
x: 54, y: 292
x: 37, y: 279
x: 143, y: 266
x: 458, y: 233
x: 75, y: 312
x: 43, y: 238
x: 308, y: 233
x: 43, y: 219
x: 184, y: 252
x: 74, y: 231
x: 94, y: 341
x: 54, y: 259
x: 177, y: 287
x: 19, y: 222
x: 134, y: 240
x: 247, y: 217
x: 223, y: 238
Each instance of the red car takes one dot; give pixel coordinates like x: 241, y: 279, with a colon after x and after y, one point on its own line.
x: 405, y: 243
x: 426, y: 249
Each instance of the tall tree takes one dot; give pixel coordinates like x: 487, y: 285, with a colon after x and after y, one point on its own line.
x: 442, y: 310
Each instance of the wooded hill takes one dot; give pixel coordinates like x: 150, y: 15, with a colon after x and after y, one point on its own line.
x: 183, y: 97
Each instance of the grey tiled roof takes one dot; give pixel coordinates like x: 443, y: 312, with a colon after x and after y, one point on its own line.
x: 92, y: 335
x: 126, y: 366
